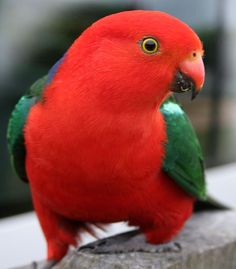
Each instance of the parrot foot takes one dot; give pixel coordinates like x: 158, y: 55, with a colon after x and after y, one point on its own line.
x: 129, y: 242
x: 43, y: 265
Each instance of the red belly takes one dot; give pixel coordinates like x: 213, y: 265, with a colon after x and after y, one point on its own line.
x: 101, y: 177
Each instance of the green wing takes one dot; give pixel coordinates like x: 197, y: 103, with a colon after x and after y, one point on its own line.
x: 184, y: 160
x: 15, y: 131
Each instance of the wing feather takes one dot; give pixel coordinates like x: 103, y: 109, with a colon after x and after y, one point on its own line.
x: 15, y: 131
x: 184, y: 159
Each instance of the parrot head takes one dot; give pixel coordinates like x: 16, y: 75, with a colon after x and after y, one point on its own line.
x: 135, y: 59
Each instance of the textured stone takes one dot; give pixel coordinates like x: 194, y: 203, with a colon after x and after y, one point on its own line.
x: 208, y: 241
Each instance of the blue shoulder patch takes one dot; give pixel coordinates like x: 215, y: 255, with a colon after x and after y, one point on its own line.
x: 53, y: 70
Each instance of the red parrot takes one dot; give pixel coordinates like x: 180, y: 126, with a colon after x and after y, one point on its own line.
x: 99, y: 138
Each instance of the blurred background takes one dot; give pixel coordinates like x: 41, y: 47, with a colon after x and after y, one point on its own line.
x: 35, y: 34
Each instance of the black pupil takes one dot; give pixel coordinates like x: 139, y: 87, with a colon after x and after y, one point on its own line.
x: 150, y: 45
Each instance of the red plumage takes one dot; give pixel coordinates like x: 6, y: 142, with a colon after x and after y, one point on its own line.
x: 95, y: 144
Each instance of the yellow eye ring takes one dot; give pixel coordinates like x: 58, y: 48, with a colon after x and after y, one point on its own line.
x: 150, y: 45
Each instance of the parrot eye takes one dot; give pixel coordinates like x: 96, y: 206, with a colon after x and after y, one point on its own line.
x: 150, y: 45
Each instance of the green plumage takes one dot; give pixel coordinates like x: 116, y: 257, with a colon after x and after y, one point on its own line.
x: 184, y: 160
x: 15, y: 131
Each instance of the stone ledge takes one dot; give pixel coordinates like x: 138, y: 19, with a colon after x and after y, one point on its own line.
x: 208, y: 241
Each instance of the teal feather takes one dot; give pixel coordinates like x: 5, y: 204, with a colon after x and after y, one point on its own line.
x: 15, y: 131
x: 184, y: 159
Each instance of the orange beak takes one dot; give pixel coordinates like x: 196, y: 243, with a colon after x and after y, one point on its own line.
x: 190, y: 75
x: 194, y: 69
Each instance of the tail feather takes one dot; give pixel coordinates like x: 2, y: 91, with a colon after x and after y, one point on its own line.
x: 92, y: 228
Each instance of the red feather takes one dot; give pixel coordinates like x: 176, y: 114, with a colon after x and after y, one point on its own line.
x: 95, y: 146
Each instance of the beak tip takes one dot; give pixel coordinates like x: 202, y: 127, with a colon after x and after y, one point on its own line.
x: 194, y: 93
x: 193, y: 97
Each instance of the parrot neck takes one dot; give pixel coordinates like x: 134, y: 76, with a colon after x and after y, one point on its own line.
x: 129, y: 144
x: 117, y: 115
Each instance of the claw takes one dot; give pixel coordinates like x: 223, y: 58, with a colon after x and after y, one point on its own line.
x: 129, y: 242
